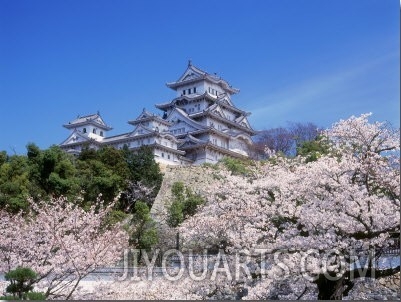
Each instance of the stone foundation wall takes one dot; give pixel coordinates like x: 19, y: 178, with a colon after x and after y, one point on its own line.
x: 194, y: 177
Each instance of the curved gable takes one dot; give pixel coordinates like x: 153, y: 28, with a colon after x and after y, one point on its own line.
x: 177, y: 115
x: 74, y: 138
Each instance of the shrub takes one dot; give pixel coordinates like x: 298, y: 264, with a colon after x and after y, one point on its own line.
x: 235, y: 166
x: 185, y: 203
x: 21, y: 280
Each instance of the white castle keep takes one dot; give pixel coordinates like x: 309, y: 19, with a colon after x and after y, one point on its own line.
x: 200, y: 125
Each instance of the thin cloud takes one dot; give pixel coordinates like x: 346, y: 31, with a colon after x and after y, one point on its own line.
x: 315, y: 93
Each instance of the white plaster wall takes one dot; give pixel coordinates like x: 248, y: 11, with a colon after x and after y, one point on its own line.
x: 180, y: 90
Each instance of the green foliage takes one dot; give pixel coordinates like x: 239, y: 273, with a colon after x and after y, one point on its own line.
x: 21, y: 280
x: 149, y: 237
x: 236, y: 166
x: 141, y: 171
x: 99, y: 177
x: 42, y: 174
x: 145, y: 234
x: 14, y: 183
x: 51, y: 172
x: 87, y: 154
x: 116, y: 216
x: 142, y: 212
x: 35, y: 296
x: 175, y: 214
x: 27, y: 296
x: 177, y: 189
x: 210, y: 165
x: 314, y: 149
x: 191, y: 203
x: 7, y: 298
x: 143, y: 167
x: 184, y: 204
x: 3, y: 157
x: 114, y: 159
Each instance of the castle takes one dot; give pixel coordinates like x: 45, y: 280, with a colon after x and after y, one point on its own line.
x: 200, y: 125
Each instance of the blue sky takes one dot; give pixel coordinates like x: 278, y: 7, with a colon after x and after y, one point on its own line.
x: 293, y: 60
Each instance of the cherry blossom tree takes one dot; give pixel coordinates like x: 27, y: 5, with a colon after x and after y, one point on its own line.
x: 61, y: 242
x: 311, y: 221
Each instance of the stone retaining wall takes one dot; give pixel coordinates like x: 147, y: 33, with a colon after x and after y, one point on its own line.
x: 194, y: 177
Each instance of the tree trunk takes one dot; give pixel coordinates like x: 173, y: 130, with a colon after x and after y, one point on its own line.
x: 336, y: 289
x: 330, y: 289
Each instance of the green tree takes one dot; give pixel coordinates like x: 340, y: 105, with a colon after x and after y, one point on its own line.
x: 145, y: 234
x: 175, y: 214
x: 314, y: 149
x: 21, y: 280
x: 144, y: 178
x: 51, y: 171
x: 114, y: 159
x: 143, y: 168
x: 96, y: 178
x: 184, y: 204
x: 3, y: 157
x: 14, y: 183
x: 235, y: 166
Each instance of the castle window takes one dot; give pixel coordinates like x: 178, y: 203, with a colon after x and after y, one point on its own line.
x: 84, y: 130
x: 189, y: 91
x: 194, y: 89
x: 94, y: 131
x: 183, y: 92
x: 162, y: 154
x: 101, y: 133
x: 168, y: 156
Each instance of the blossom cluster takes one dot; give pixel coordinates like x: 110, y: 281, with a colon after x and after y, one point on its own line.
x: 61, y: 242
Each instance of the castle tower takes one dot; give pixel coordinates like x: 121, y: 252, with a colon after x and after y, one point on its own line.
x: 203, y: 116
x: 201, y: 124
x: 89, y: 130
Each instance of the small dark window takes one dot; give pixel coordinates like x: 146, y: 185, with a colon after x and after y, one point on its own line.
x: 84, y: 130
x: 189, y: 91
x: 162, y: 154
x: 183, y: 92
x: 94, y: 131
x: 194, y: 89
x: 168, y: 156
x: 101, y: 133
